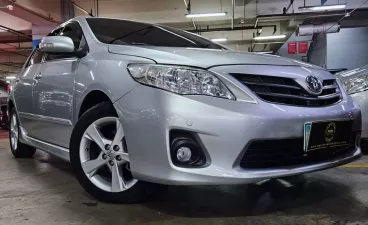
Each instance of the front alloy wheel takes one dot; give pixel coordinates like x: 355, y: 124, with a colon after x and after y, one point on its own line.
x: 104, y: 156
x: 100, y: 157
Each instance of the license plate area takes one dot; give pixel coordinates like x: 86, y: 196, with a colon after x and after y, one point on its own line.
x: 324, y: 135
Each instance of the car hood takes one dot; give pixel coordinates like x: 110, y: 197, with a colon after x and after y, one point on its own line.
x: 204, y: 58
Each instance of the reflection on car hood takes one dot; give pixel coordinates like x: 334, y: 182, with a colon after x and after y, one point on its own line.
x: 203, y: 58
x: 345, y: 75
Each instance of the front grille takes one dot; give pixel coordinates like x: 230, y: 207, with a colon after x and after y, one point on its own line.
x: 287, y: 152
x: 288, y: 91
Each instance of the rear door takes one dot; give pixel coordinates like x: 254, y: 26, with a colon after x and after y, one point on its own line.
x: 23, y: 90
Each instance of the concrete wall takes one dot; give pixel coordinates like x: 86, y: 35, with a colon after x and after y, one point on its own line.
x: 348, y: 48
x: 283, y: 51
x: 319, y: 52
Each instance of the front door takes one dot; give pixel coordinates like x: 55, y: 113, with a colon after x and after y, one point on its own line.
x: 23, y: 91
x: 53, y: 93
x: 52, y: 101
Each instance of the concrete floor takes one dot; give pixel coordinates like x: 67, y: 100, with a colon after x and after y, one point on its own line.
x: 44, y: 191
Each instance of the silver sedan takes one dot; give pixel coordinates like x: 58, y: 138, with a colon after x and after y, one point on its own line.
x: 355, y: 83
x: 130, y: 104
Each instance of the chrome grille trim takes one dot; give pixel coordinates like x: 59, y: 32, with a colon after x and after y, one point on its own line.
x: 288, y: 91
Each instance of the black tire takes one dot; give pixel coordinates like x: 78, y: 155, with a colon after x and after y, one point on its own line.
x: 131, y: 195
x: 22, y: 150
x: 364, y: 146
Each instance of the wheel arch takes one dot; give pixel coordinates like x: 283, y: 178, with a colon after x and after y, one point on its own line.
x: 91, y: 99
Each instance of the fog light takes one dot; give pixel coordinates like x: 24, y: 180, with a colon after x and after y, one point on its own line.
x: 185, y: 150
x: 183, y: 154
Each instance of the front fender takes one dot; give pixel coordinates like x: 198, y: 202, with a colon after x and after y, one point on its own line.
x: 105, y: 72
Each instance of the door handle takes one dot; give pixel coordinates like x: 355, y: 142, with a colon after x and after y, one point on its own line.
x: 38, y: 76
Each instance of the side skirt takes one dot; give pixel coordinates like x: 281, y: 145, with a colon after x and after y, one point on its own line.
x: 55, y: 150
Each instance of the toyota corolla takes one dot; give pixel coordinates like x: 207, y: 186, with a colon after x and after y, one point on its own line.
x: 356, y: 85
x: 130, y: 104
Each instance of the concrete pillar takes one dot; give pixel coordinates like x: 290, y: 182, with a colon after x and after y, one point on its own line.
x: 66, y: 10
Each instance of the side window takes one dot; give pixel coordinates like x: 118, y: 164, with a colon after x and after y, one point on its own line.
x: 35, y: 58
x: 73, y: 31
x: 56, y: 32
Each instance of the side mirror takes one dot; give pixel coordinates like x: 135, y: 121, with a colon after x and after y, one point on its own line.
x: 56, y: 45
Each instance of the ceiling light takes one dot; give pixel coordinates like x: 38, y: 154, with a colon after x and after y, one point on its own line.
x: 270, y: 37
x: 10, y: 77
x: 194, y: 15
x: 322, y: 7
x: 264, y: 52
x: 219, y: 39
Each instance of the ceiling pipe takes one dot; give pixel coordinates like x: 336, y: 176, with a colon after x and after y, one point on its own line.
x: 256, y: 23
x: 231, y: 29
x: 19, y: 40
x: 232, y: 20
x: 15, y: 53
x: 15, y: 32
x: 250, y: 42
x: 267, y: 43
x: 13, y: 63
x: 310, y: 29
x: 80, y: 8
x: 10, y: 65
x: 3, y: 71
x: 188, y: 7
x: 7, y: 72
x: 286, y: 9
x: 296, y: 16
x: 17, y: 49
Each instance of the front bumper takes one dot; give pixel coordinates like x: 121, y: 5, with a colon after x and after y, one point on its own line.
x: 224, y: 127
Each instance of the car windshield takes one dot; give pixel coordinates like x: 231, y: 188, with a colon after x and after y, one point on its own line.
x: 122, y: 32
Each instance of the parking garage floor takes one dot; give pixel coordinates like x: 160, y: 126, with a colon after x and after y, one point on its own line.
x: 44, y: 191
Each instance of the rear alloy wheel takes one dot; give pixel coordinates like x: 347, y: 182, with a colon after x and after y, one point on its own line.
x: 100, y: 157
x: 18, y: 149
x: 14, y: 132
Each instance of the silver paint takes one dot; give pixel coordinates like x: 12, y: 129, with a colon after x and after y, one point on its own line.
x: 360, y: 98
x: 56, y: 44
x: 147, y: 114
x: 53, y: 98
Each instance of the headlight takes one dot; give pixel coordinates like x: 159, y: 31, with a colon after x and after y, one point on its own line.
x: 356, y: 84
x: 181, y: 80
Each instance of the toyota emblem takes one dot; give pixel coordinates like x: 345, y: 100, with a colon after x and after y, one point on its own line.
x: 314, y: 84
